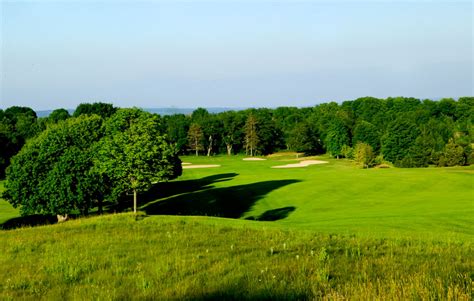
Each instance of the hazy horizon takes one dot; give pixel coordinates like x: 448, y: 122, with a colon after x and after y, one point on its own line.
x: 162, y: 54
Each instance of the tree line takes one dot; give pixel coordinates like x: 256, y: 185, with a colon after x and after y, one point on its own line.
x: 62, y: 163
x: 407, y: 132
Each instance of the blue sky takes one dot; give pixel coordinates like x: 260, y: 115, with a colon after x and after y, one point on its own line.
x: 232, y: 53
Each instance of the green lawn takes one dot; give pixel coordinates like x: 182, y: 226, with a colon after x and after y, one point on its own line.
x: 331, y: 198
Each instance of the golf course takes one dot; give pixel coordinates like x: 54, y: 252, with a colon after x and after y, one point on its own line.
x: 234, y: 228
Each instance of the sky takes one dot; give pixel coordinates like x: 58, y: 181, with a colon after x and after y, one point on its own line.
x: 187, y: 54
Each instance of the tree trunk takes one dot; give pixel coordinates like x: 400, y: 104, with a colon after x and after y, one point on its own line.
x: 196, y: 146
x: 99, y: 205
x: 229, y: 149
x: 134, y: 201
x: 209, y: 147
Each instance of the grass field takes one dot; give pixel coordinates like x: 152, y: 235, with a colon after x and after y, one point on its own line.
x: 331, y: 198
x: 324, y: 231
x: 197, y: 258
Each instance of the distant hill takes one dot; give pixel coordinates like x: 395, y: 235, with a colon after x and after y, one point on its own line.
x: 160, y: 111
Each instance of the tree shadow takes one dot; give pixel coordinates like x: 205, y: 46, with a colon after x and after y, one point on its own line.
x: 274, y: 214
x: 167, y: 189
x: 28, y: 221
x: 234, y: 293
x: 188, y: 197
x: 230, y: 202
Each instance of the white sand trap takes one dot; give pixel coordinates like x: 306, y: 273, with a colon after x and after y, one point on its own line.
x: 301, y: 164
x: 254, y: 159
x: 186, y: 163
x: 201, y: 166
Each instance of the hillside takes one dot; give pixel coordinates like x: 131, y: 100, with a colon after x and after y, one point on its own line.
x: 328, y: 230
x: 199, y: 258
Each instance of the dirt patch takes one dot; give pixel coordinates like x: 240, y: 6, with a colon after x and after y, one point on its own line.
x: 254, y: 159
x: 301, y: 164
x: 200, y: 166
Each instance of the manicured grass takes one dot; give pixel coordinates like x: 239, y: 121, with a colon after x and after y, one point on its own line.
x: 331, y: 198
x: 198, y: 258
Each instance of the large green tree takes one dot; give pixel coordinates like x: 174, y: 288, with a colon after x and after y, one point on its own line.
x: 135, y: 153
x: 53, y: 173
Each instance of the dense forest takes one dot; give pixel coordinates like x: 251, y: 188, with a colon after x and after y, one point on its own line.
x: 407, y: 132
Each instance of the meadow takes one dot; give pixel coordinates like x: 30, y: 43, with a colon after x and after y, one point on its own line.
x: 326, y: 231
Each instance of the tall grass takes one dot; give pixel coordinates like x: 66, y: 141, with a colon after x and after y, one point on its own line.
x: 122, y: 257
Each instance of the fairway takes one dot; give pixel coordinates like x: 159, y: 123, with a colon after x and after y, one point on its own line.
x: 334, y: 198
x: 337, y: 197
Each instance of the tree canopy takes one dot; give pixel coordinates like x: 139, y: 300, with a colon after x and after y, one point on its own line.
x: 134, y: 153
x: 52, y: 174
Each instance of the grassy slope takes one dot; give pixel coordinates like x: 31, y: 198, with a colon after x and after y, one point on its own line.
x: 199, y: 258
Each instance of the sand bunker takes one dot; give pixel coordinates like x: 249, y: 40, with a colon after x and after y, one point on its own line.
x: 186, y: 163
x: 200, y: 166
x: 254, y: 159
x: 301, y: 164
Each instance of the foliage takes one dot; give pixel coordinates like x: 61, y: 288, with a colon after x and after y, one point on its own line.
x: 52, y: 174
x: 364, y: 154
x: 368, y: 133
x: 17, y: 124
x: 400, y: 136
x: 195, y: 138
x: 104, y: 110
x: 177, y: 127
x: 251, y: 135
x: 347, y: 152
x: 302, y: 138
x: 134, y: 152
x: 58, y: 115
x: 337, y: 137
x: 453, y: 155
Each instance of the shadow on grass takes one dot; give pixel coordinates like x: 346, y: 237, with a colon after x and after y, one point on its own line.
x: 188, y: 197
x: 28, y: 221
x: 274, y: 214
x: 230, y: 202
x: 234, y: 293
x: 167, y: 189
